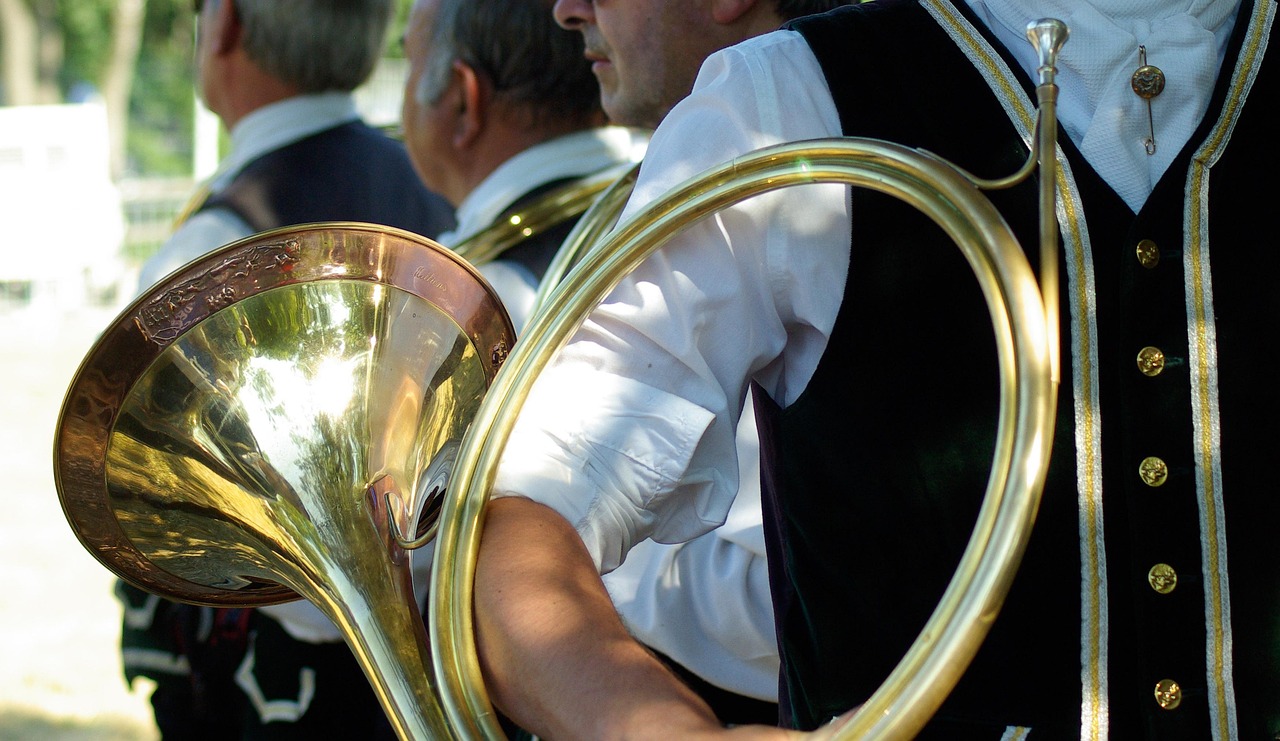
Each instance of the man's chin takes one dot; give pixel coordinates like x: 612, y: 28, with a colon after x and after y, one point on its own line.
x: 611, y: 99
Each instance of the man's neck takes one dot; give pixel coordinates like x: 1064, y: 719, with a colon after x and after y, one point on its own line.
x: 247, y: 89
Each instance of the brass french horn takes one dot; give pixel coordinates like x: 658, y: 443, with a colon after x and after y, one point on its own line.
x: 267, y: 421
x: 270, y: 421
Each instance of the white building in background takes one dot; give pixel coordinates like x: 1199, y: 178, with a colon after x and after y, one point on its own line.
x: 61, y: 222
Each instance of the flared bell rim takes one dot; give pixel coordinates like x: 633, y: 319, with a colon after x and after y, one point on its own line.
x: 139, y: 334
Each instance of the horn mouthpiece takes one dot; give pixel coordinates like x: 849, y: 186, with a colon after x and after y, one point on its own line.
x: 1047, y: 35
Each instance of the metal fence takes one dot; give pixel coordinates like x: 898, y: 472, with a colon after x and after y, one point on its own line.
x: 151, y: 206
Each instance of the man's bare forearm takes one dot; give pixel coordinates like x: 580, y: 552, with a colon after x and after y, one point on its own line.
x: 556, y: 657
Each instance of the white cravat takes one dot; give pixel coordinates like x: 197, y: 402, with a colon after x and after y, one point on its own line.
x: 1098, y: 108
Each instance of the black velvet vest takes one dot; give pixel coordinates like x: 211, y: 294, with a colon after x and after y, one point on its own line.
x: 874, y: 475
x: 348, y: 173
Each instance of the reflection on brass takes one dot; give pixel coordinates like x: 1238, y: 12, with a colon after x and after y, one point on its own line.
x: 1148, y: 253
x: 1168, y: 694
x: 1027, y: 341
x: 1153, y: 471
x: 1150, y: 361
x: 1162, y: 578
x: 261, y: 425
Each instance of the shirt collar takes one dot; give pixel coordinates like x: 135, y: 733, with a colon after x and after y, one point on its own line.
x: 572, y: 155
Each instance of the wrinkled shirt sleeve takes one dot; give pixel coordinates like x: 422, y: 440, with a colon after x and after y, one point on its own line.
x: 706, y: 603
x: 629, y: 433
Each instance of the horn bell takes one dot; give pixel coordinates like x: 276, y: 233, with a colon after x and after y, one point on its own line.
x: 268, y: 422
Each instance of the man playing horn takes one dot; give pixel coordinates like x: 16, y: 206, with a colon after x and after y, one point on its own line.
x: 501, y: 107
x: 877, y: 452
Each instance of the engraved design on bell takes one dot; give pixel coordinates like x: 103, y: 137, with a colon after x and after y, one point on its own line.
x: 162, y: 319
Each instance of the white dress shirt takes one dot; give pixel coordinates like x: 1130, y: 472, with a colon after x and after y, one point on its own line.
x: 625, y: 433
x: 704, y: 603
x: 709, y: 318
x: 267, y: 129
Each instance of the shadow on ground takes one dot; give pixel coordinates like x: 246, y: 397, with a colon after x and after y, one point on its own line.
x: 27, y: 725
x: 24, y: 724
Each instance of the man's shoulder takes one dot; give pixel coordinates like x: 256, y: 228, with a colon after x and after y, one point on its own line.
x: 203, y: 233
x: 351, y: 139
x: 352, y: 149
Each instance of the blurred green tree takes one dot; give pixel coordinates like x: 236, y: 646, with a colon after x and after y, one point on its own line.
x: 136, y: 56
x: 133, y: 55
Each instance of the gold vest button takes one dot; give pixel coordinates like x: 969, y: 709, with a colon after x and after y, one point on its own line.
x: 1162, y: 578
x: 1168, y: 694
x: 1151, y: 361
x: 1153, y: 471
x: 1148, y: 254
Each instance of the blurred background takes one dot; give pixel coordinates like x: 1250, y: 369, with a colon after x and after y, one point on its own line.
x: 102, y: 141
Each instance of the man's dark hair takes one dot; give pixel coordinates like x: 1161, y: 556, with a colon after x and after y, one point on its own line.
x: 791, y: 9
x: 517, y: 45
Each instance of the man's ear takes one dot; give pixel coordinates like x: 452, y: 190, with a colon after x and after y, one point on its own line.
x: 725, y: 12
x: 227, y: 30
x: 473, y: 104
